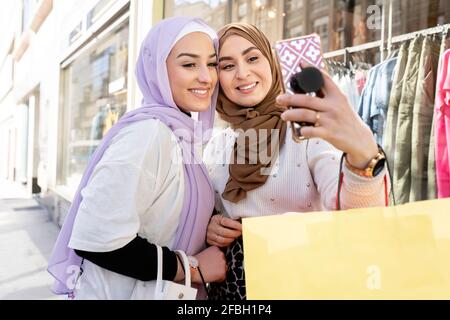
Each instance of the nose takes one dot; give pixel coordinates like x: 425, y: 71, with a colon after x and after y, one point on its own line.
x: 204, y: 75
x: 242, y: 72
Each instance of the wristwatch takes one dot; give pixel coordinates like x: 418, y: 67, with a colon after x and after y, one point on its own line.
x: 193, y: 262
x: 375, y: 166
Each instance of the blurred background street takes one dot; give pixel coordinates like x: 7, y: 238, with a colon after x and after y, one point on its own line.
x: 27, y: 236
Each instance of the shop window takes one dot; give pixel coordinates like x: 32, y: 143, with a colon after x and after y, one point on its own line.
x: 320, y: 27
x: 94, y: 98
x: 415, y: 15
x: 214, y: 12
x: 76, y: 33
x: 266, y: 14
x: 101, y: 7
x: 340, y: 23
x: 242, y: 10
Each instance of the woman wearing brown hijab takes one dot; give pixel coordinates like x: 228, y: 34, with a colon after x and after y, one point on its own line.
x: 255, y: 166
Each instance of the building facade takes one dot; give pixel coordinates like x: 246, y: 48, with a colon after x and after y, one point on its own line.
x: 66, y: 77
x: 67, y: 67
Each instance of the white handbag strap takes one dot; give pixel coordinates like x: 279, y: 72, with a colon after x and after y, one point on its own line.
x: 158, y: 287
x: 159, y: 282
x: 187, y: 271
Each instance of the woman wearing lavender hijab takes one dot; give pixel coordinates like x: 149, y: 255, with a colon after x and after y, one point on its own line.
x: 145, y: 184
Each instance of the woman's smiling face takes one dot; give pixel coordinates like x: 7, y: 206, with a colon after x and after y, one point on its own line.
x: 244, y: 72
x: 192, y: 71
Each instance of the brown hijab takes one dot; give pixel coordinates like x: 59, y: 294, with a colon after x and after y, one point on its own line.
x: 266, y: 115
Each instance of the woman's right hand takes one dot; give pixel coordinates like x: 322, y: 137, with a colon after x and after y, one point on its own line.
x: 212, y: 264
x: 222, y: 231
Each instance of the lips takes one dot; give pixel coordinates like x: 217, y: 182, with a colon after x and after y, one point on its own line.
x: 248, y: 86
x: 200, y: 92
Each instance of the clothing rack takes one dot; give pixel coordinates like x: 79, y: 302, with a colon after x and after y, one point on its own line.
x: 435, y: 30
x: 349, y: 50
x: 440, y: 29
x: 346, y: 52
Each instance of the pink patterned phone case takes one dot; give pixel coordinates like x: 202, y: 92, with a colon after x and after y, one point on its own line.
x: 291, y: 51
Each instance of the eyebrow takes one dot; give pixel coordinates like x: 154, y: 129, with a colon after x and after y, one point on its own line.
x: 243, y: 53
x: 196, y: 56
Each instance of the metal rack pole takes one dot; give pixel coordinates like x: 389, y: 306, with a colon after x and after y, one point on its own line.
x: 412, y: 35
x: 387, y: 40
x: 383, y: 30
x: 390, y: 25
x: 353, y: 49
x: 391, y: 40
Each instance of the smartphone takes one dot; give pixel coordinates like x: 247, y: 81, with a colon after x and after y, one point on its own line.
x: 290, y: 53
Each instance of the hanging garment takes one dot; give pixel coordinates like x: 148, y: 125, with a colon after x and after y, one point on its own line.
x: 402, y: 155
x: 353, y: 92
x: 375, y: 98
x: 394, y: 101
x: 366, y: 97
x: 380, y: 98
x: 346, y: 81
x: 431, y: 178
x: 442, y: 129
x: 432, y: 183
x: 422, y: 119
x: 348, y: 85
x: 360, y: 78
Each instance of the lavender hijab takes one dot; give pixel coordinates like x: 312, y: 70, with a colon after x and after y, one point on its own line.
x: 157, y: 103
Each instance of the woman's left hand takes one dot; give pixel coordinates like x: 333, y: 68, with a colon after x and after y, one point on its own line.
x: 222, y: 231
x: 335, y: 120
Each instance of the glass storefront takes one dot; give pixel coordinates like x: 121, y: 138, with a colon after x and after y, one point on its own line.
x: 340, y: 23
x: 97, y: 11
x: 415, y: 15
x: 94, y: 97
x: 214, y: 12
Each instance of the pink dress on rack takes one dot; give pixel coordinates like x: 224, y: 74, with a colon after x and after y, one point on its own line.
x: 442, y: 126
x: 360, y: 78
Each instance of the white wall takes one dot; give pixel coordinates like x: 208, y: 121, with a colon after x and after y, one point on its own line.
x: 10, y: 22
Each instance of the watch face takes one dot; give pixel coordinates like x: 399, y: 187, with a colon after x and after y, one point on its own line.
x: 379, y: 167
x: 193, y: 262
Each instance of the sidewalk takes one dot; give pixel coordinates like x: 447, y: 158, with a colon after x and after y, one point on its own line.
x: 27, y: 237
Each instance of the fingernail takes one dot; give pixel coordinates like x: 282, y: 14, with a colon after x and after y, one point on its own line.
x: 280, y: 99
x: 283, y: 116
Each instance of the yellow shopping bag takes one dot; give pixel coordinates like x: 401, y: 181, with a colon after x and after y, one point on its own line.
x: 400, y: 252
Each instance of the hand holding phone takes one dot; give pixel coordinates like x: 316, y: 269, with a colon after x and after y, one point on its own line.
x: 309, y: 81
